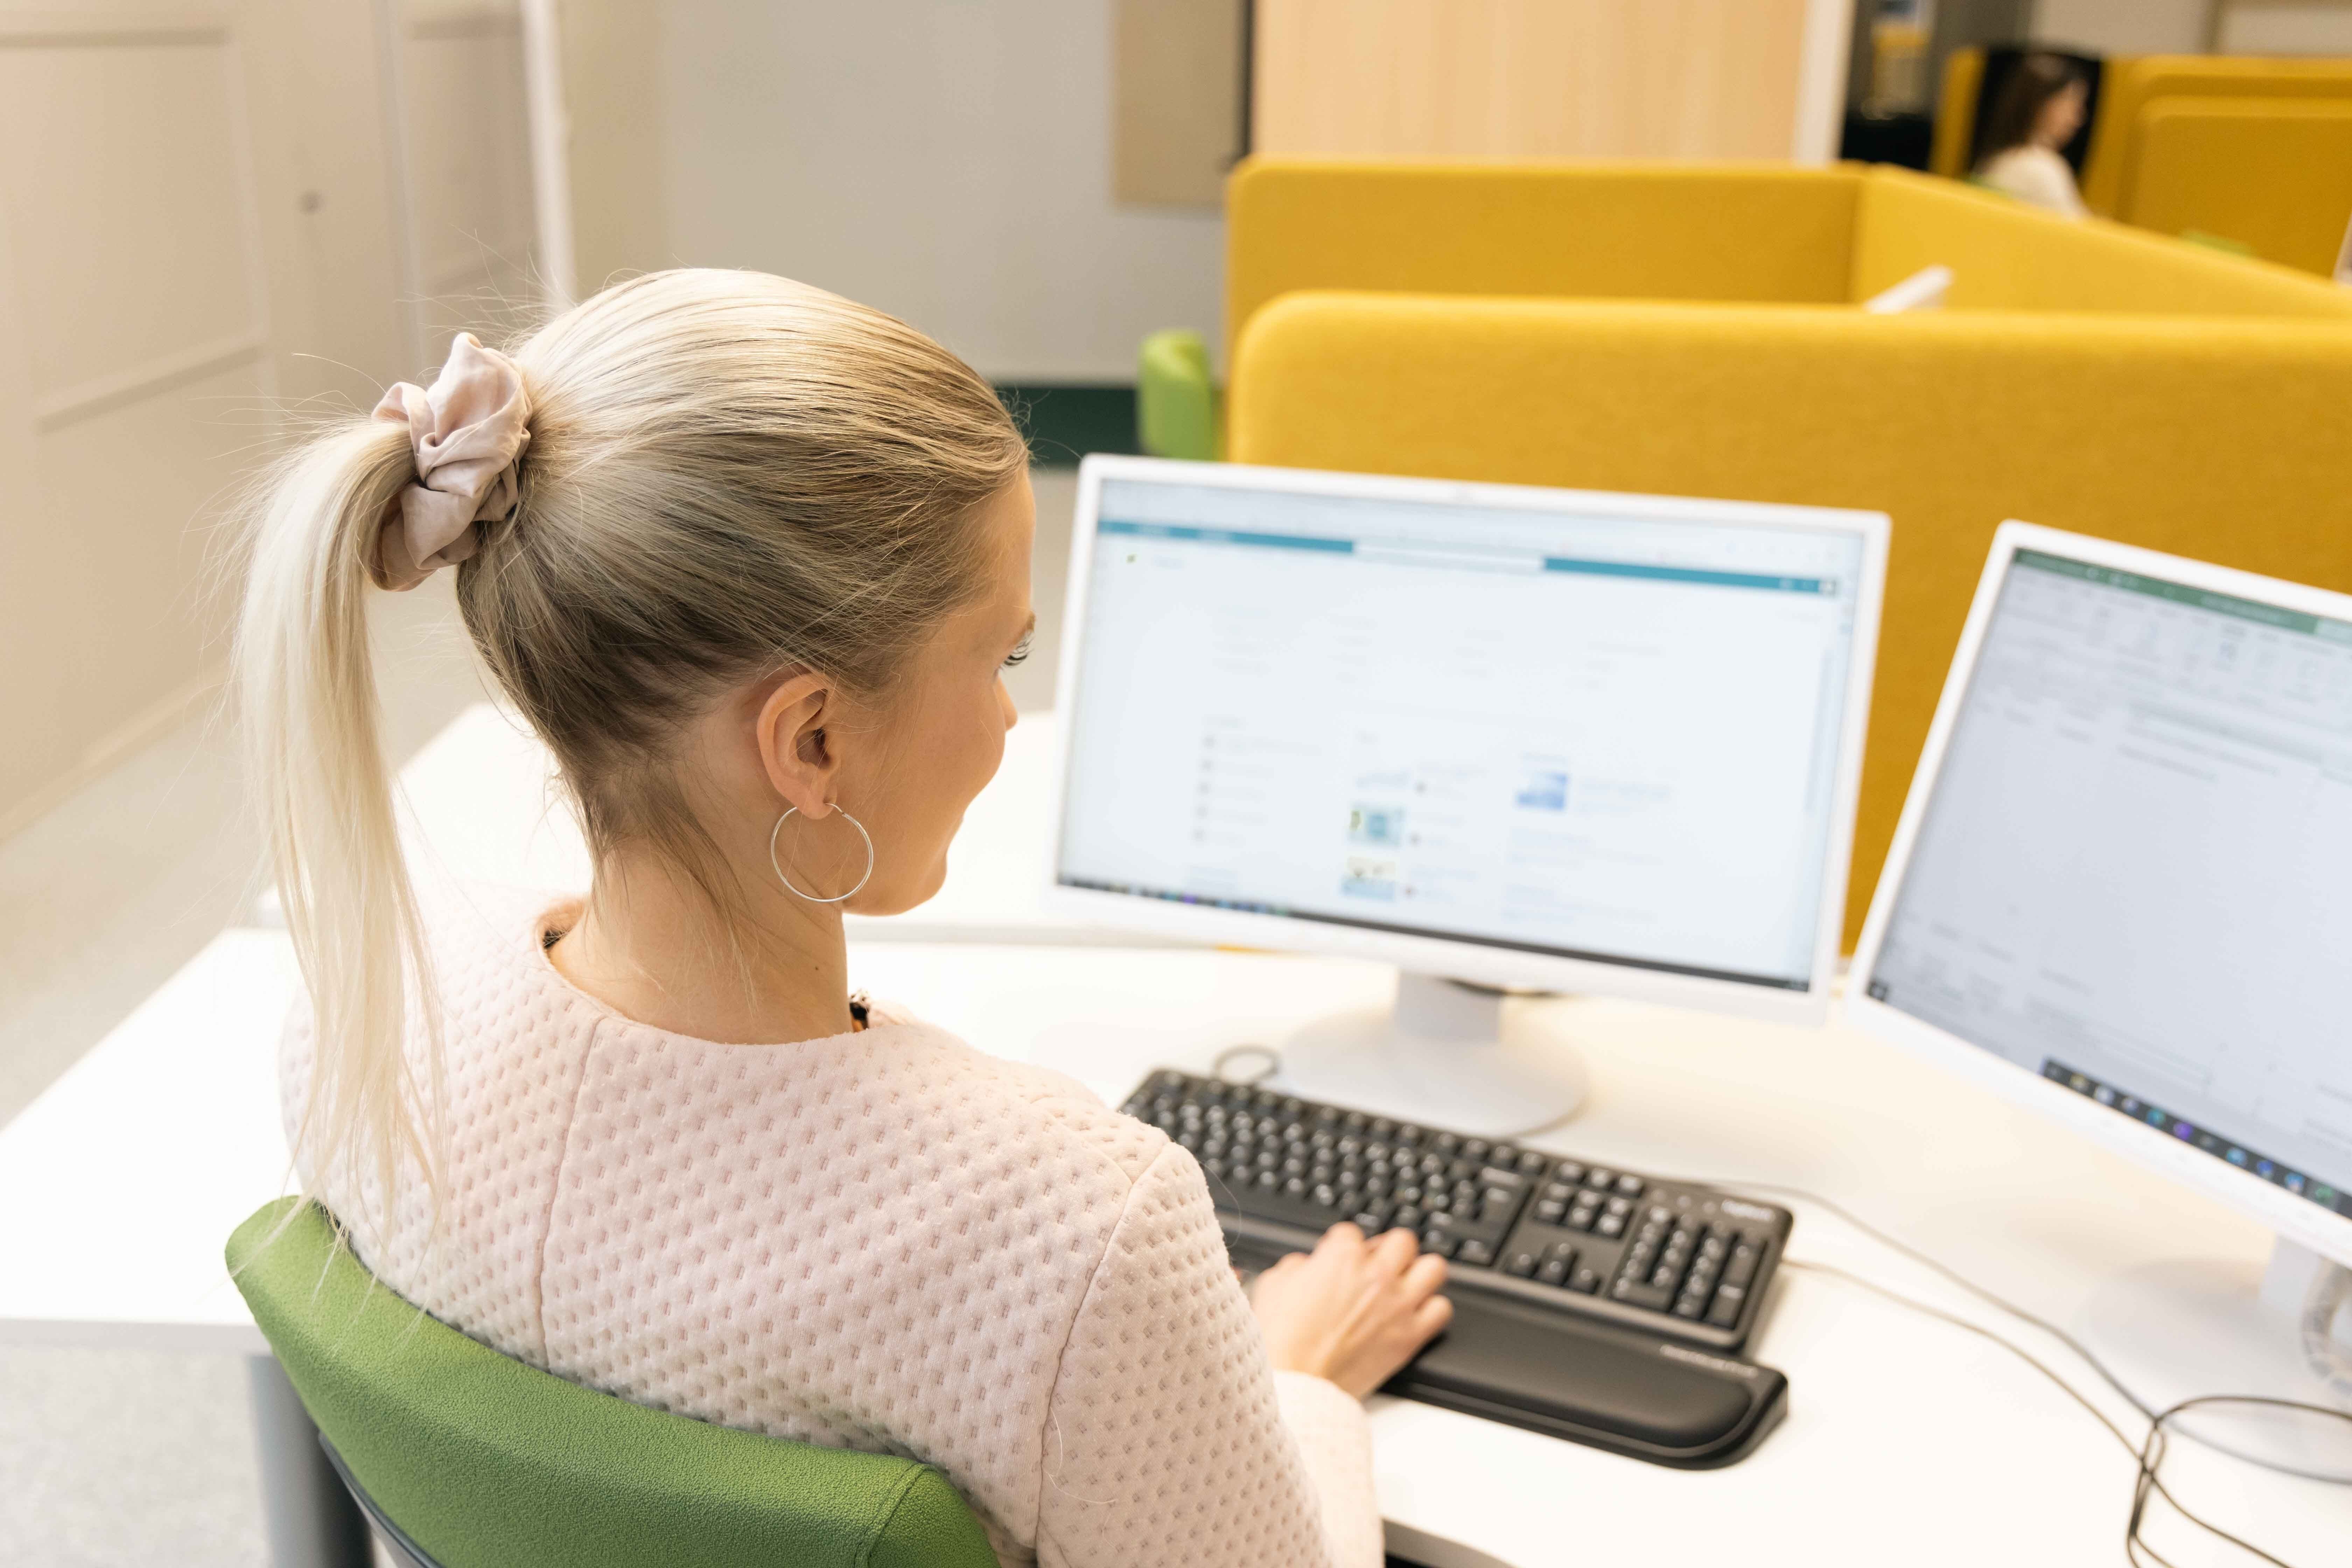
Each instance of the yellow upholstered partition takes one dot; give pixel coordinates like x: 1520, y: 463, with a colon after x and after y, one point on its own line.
x: 2273, y: 175
x: 2131, y: 85
x: 1704, y: 232
x: 2217, y: 439
x: 1637, y: 230
x: 1956, y: 112
x: 2005, y: 255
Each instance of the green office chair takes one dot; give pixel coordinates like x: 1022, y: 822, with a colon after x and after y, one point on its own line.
x: 462, y: 1457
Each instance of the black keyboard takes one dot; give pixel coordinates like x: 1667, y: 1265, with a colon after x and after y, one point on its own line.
x: 1568, y: 1235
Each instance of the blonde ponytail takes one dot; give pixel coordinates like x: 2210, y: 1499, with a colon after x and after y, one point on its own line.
x: 307, y: 690
x: 724, y: 474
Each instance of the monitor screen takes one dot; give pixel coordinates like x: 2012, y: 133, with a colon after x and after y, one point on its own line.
x: 1586, y: 732
x: 2133, y: 874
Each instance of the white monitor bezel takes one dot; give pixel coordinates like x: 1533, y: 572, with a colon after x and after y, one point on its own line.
x: 2288, y: 1215
x: 1463, y: 959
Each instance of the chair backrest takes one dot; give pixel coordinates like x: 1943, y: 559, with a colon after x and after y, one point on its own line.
x: 2217, y: 439
x: 481, y: 1461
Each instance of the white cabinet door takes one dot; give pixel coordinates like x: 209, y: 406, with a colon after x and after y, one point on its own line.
x: 215, y: 223
x: 193, y: 234
x: 464, y: 160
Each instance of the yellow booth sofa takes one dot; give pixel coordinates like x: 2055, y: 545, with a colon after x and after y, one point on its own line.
x: 2089, y: 377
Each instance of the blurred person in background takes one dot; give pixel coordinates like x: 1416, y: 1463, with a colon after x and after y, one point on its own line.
x: 2038, y: 113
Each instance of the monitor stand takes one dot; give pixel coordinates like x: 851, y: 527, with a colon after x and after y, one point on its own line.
x: 1446, y: 1054
x: 2174, y: 1329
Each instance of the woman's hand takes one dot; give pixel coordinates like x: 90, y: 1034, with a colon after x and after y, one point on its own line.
x: 1352, y: 1310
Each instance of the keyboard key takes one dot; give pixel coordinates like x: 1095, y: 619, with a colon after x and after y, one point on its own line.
x: 1598, y: 1178
x: 1531, y: 1163
x: 1620, y: 1206
x: 1570, y: 1171
x: 1408, y: 1216
x: 1551, y: 1211
x: 1688, y: 1305
x: 1727, y: 1303
x: 1522, y: 1263
x: 1745, y: 1256
x: 1631, y: 1185
x: 1581, y: 1218
x: 1610, y: 1225
x: 1372, y: 1221
x: 1472, y: 1250
x: 1639, y: 1293
x: 1560, y: 1252
x: 1552, y: 1272
x: 1439, y: 1242
x: 1585, y: 1280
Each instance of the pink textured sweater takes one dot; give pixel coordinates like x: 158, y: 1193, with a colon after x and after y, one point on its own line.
x: 885, y: 1240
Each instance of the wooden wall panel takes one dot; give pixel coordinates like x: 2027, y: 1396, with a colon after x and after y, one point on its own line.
x: 1694, y: 79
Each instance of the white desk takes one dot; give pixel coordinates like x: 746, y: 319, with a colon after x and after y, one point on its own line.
x: 1906, y: 1440
x: 481, y: 806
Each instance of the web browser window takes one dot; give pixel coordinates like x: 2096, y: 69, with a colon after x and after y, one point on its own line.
x: 1596, y: 736
x: 2135, y: 873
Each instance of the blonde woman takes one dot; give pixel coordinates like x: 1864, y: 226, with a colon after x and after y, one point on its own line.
x: 749, y: 558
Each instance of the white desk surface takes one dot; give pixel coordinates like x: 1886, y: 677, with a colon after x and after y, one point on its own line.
x: 482, y: 805
x: 1906, y: 1440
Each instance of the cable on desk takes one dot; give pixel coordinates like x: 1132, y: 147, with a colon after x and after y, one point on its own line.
x: 2147, y: 1454
x: 1955, y: 1278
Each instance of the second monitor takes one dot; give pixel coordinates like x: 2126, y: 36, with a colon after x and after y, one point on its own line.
x: 1510, y: 736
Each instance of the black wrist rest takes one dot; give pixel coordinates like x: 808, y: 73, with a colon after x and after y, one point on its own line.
x: 1639, y: 1394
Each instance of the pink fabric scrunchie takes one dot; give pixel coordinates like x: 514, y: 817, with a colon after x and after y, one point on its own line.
x: 468, y: 433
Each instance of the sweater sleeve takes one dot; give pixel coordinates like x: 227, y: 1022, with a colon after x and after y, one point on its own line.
x: 1170, y: 1439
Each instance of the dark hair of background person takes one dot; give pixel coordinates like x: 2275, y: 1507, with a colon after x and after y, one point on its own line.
x: 2017, y: 96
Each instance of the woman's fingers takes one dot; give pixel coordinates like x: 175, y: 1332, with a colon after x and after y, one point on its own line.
x: 1342, y: 1237
x: 1431, y: 1316
x: 1396, y: 1250
x: 1423, y: 1279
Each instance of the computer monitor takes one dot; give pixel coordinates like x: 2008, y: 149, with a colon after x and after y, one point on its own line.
x: 1486, y: 733
x: 2121, y: 894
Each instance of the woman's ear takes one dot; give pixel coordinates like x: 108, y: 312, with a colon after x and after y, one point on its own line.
x: 800, y: 759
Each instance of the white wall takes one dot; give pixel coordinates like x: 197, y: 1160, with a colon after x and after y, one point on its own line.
x: 2124, y: 27
x: 2287, y: 30
x: 948, y: 160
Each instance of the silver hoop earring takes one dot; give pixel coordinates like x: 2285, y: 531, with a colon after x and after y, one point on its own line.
x: 787, y: 881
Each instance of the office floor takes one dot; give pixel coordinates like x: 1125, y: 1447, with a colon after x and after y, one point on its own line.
x: 110, y: 1459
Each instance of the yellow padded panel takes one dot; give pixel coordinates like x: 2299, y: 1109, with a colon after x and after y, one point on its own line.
x: 2132, y: 84
x: 2218, y: 439
x: 1956, y: 112
x: 2272, y: 174
x: 2005, y: 255
x: 1586, y: 228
